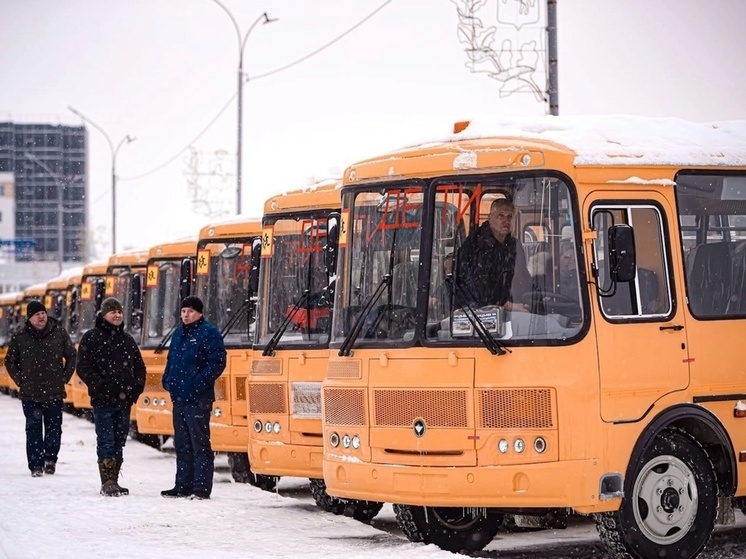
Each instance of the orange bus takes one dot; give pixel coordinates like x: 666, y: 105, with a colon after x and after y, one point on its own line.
x: 169, y: 277
x: 595, y: 370
x: 56, y: 302
x: 91, y: 294
x: 125, y: 280
x: 226, y: 253
x: 291, y: 348
x: 7, y: 324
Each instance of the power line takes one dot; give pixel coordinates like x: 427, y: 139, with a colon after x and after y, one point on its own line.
x: 266, y: 74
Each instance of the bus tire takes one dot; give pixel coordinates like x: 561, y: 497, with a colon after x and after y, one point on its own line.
x: 455, y: 529
x: 672, y: 504
x: 323, y: 500
x: 741, y: 501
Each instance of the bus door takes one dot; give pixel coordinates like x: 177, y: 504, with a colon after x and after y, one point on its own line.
x: 642, y: 349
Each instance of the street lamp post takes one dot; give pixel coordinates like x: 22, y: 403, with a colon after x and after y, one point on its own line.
x: 60, y: 207
x: 114, y: 151
x: 264, y: 19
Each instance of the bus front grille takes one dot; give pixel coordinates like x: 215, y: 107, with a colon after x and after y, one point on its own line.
x: 514, y: 408
x: 344, y: 406
x: 267, y: 397
x: 438, y: 408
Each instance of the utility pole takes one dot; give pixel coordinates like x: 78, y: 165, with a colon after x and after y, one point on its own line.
x: 263, y: 19
x: 552, y: 71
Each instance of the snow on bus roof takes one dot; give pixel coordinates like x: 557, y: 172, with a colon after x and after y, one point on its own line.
x: 312, y: 187
x: 624, y: 139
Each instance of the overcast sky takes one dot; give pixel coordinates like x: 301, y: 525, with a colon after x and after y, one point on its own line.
x: 161, y: 71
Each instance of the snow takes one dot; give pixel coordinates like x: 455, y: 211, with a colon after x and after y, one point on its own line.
x: 622, y: 139
x: 64, y: 517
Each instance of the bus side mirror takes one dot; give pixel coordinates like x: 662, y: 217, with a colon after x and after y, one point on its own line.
x: 622, y: 260
x: 332, y: 243
x: 100, y: 292
x: 186, y: 278
x: 256, y: 258
x: 137, y: 291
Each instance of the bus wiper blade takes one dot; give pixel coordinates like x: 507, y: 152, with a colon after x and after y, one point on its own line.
x: 346, y: 347
x: 495, y: 347
x: 272, y: 344
x: 166, y: 338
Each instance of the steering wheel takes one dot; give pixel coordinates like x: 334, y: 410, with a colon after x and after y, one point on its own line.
x: 551, y: 303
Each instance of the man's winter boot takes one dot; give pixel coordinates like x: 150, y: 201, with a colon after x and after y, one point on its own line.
x: 107, y: 470
x: 122, y: 490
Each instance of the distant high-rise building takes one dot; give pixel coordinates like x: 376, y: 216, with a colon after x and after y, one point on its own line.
x: 51, y: 175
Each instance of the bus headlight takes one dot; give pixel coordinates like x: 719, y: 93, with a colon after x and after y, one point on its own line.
x: 163, y: 401
x: 540, y: 445
x: 519, y: 445
x: 217, y: 412
x: 334, y: 440
x: 503, y: 446
x: 355, y: 442
x: 268, y: 427
x: 346, y: 440
x: 257, y: 426
x: 276, y: 427
x: 146, y: 401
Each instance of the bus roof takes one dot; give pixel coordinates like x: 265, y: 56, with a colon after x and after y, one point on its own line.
x: 129, y: 258
x: 35, y: 290
x: 95, y: 268
x: 10, y: 298
x: 246, y: 227
x: 180, y: 248
x: 61, y: 281
x: 323, y: 194
x: 616, y: 140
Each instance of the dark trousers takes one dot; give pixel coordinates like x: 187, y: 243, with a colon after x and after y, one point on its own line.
x: 195, y: 461
x: 43, y: 432
x: 112, y: 427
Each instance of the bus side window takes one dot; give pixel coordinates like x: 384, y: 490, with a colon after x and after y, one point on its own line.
x: 648, y: 294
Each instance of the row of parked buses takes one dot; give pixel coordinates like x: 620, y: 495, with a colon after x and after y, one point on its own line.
x: 357, y: 359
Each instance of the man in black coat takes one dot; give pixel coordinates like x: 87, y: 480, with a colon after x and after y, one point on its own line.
x: 491, y: 265
x: 111, y: 366
x: 40, y: 360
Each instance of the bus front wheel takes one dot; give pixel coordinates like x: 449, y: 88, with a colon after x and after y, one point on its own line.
x: 454, y: 529
x: 364, y: 511
x: 670, y: 503
x: 241, y: 472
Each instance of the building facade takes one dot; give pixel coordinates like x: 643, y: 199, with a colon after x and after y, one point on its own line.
x: 49, y: 164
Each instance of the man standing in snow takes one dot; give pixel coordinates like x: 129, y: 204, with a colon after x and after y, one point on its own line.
x: 196, y: 358
x: 40, y: 360
x: 111, y: 366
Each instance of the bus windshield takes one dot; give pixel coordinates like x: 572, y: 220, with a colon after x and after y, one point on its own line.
x: 162, y: 302
x: 225, y: 290
x: 473, y: 261
x: 295, y: 309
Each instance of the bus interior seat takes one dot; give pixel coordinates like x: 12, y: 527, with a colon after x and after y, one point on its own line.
x: 710, y: 278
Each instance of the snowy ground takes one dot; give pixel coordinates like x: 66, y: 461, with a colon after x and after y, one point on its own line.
x: 64, y: 517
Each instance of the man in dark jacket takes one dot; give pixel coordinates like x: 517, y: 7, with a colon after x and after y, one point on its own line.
x: 111, y: 366
x: 196, y: 358
x: 491, y: 265
x: 40, y: 360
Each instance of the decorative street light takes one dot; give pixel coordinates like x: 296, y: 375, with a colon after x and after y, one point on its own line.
x: 264, y: 19
x: 114, y: 151
x: 58, y: 180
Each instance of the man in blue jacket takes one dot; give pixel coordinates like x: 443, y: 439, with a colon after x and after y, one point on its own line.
x: 196, y: 358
